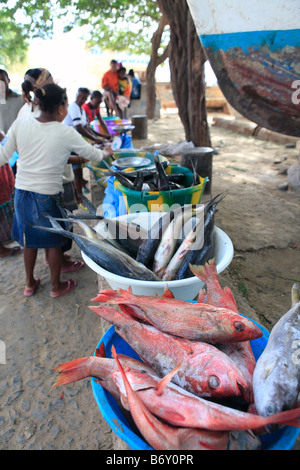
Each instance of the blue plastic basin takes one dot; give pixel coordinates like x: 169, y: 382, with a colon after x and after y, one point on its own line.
x: 283, y: 439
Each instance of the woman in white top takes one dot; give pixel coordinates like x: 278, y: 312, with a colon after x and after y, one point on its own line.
x: 44, y: 145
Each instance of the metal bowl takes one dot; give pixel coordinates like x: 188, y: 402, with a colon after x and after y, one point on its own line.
x: 128, y: 162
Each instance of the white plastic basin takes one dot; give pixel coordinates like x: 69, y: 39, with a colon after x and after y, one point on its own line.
x: 184, y: 289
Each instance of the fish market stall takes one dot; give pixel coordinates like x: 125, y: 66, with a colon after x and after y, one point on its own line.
x: 149, y: 412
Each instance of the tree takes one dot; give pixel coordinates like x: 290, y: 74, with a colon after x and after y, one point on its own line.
x: 187, y: 59
x: 136, y: 26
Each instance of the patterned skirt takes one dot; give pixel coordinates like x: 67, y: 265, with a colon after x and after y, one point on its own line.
x: 6, y: 220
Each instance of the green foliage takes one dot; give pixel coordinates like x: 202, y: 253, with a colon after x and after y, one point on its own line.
x: 13, y: 40
x: 113, y: 24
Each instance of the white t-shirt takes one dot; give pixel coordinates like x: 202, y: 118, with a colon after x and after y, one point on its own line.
x: 44, y: 149
x: 27, y: 110
x: 76, y: 115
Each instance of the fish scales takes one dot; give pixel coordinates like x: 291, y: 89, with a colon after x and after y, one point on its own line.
x: 205, y: 370
x: 182, y: 408
x: 276, y: 378
x: 185, y: 319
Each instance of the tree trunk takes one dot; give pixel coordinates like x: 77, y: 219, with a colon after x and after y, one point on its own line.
x: 187, y: 59
x: 155, y: 61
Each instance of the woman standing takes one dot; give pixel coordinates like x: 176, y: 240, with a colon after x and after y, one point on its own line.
x: 44, y: 145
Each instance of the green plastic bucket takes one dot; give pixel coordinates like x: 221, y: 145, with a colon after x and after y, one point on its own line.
x: 100, y: 170
x: 162, y: 201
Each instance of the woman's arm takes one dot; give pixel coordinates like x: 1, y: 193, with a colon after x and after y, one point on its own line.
x: 79, y: 146
x: 102, y: 123
x: 10, y: 146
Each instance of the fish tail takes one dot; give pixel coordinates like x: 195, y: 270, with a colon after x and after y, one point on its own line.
x: 100, y: 352
x: 288, y: 418
x: 201, y: 296
x: 72, y: 371
x: 207, y: 272
x: 295, y: 423
x: 110, y: 314
x: 167, y: 293
x: 105, y: 295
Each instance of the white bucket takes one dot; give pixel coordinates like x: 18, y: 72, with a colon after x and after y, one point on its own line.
x: 184, y: 289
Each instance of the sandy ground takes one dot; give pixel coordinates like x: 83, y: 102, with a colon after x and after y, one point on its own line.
x: 39, y: 332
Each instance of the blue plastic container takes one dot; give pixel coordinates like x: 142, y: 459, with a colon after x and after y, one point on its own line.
x: 283, y: 439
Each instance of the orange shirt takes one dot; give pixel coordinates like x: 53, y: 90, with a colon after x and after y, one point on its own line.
x: 111, y: 79
x: 125, y: 87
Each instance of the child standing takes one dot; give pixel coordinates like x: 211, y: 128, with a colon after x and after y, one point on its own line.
x: 44, y: 145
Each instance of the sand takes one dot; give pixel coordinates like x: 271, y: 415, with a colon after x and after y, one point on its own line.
x: 39, y: 332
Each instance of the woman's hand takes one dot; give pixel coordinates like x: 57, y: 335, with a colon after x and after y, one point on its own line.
x: 108, y: 152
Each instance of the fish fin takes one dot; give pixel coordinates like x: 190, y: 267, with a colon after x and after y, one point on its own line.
x: 208, y: 271
x: 72, y: 371
x: 100, y: 352
x: 167, y: 293
x: 198, y: 271
x: 152, y: 429
x: 201, y: 296
x: 229, y: 294
x: 129, y: 289
x: 167, y: 378
x: 128, y: 311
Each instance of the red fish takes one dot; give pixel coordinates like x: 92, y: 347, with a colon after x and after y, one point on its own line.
x: 97, y: 366
x: 178, y: 407
x: 205, y: 370
x: 241, y: 353
x: 214, y: 294
x: 164, y: 437
x: 181, y: 318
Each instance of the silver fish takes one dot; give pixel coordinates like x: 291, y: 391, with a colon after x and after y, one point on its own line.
x: 276, y: 377
x: 170, y: 238
x: 104, y: 254
x: 193, y: 241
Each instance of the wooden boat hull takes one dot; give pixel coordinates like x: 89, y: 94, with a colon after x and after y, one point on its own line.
x: 255, y: 56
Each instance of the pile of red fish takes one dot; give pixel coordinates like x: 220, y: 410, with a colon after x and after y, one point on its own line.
x: 193, y: 355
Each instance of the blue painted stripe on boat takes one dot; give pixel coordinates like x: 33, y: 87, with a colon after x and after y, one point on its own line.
x: 274, y: 40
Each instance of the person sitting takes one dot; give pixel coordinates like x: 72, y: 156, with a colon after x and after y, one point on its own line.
x: 136, y: 86
x: 92, y: 109
x: 110, y: 85
x: 125, y: 87
x: 77, y: 118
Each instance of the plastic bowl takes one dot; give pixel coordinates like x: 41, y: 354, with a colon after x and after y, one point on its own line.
x: 283, y: 439
x: 183, y: 289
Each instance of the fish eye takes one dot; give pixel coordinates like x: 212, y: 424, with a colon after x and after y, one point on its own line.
x: 213, y: 382
x: 270, y: 409
x: 239, y: 326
